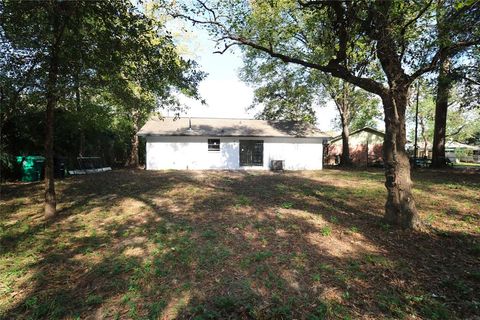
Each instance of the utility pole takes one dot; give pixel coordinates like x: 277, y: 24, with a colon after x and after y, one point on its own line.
x: 415, y: 148
x: 367, y: 149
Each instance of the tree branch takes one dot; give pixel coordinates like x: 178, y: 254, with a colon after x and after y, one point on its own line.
x: 333, y: 67
x: 455, y: 132
x: 449, y: 50
x: 204, y: 5
x: 418, y: 16
x: 409, y: 23
x: 472, y: 80
x: 312, y: 3
x: 227, y: 46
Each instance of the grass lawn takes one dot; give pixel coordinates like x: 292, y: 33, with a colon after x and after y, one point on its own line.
x: 237, y: 245
x: 466, y: 164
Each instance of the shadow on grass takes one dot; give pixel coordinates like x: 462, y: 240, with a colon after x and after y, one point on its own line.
x: 216, y: 245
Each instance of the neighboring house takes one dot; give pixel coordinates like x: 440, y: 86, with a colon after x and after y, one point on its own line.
x: 454, y: 151
x: 366, y: 147
x: 209, y: 143
x: 460, y: 152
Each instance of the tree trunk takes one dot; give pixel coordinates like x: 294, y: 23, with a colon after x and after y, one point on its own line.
x: 78, y: 85
x: 441, y: 108
x: 443, y: 89
x: 345, y: 159
x: 2, y: 112
x: 424, y: 137
x: 78, y: 102
x: 51, y: 97
x: 400, y: 207
x: 344, y: 111
x: 133, y: 157
x: 81, y: 147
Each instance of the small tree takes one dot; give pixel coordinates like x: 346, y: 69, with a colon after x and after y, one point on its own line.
x: 356, y: 109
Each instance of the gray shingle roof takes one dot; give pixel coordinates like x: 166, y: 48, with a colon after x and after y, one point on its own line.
x: 372, y: 130
x: 169, y: 126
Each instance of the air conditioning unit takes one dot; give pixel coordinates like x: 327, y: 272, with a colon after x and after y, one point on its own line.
x: 277, y: 165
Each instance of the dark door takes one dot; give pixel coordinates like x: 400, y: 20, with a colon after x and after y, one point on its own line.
x: 251, y: 153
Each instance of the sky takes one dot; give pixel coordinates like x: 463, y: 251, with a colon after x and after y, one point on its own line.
x: 226, y: 95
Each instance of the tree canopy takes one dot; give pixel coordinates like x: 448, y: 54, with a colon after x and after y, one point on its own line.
x: 282, y: 92
x: 114, y: 59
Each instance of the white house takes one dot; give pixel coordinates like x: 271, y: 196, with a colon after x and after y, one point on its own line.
x: 209, y: 143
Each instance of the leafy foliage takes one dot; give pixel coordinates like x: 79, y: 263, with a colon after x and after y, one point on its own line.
x: 282, y: 92
x: 287, y: 92
x: 355, y: 106
x: 117, y: 64
x: 463, y: 122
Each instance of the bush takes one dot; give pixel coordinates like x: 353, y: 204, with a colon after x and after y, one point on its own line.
x: 9, y: 169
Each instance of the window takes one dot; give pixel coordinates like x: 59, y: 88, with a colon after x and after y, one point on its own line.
x: 251, y: 152
x: 213, y: 144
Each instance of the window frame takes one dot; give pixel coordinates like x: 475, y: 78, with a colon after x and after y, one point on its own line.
x: 253, y: 155
x: 212, y: 147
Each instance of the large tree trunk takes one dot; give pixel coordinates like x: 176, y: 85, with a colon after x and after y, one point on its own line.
x: 344, y: 111
x: 51, y: 97
x: 400, y: 207
x: 441, y: 108
x: 133, y: 157
x: 345, y: 158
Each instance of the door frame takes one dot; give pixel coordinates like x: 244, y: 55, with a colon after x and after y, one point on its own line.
x: 247, y: 159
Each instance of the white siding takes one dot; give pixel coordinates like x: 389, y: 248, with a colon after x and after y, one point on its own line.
x: 182, y: 152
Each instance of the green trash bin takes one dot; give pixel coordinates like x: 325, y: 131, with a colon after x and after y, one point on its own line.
x: 31, y: 168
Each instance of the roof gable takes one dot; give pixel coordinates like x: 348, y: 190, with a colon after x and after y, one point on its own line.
x: 367, y: 129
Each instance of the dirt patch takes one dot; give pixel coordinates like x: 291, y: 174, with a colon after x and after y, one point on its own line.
x: 239, y: 245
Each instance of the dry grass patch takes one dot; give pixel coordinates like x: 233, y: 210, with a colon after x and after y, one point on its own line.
x: 217, y: 245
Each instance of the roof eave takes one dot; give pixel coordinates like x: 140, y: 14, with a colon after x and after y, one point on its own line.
x: 147, y: 134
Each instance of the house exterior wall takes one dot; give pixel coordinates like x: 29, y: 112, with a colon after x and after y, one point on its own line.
x: 358, y: 149
x: 182, y: 152
x: 465, y: 155
x: 362, y: 137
